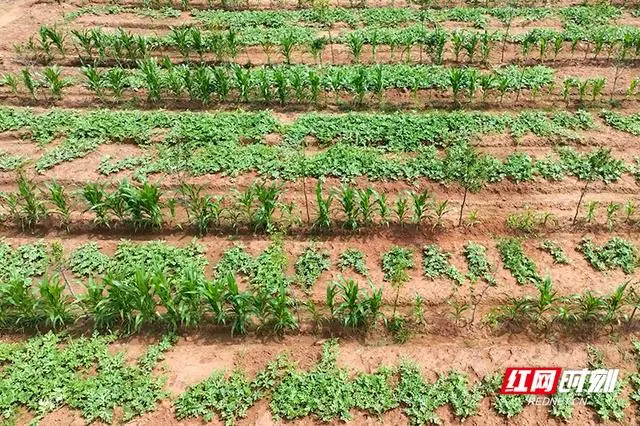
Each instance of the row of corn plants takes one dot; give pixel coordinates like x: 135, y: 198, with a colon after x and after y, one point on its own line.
x: 409, y: 44
x: 262, y: 206
x: 142, y: 285
x: 297, y: 84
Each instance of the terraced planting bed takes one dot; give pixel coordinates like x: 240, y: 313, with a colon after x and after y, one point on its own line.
x: 316, y: 212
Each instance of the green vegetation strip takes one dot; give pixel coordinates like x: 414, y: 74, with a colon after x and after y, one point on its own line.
x: 375, y: 16
x: 83, y: 374
x: 157, y: 284
x: 354, y: 144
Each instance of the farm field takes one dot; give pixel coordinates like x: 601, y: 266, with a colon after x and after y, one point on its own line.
x: 337, y: 211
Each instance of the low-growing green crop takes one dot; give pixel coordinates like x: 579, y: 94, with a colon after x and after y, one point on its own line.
x: 522, y: 267
x: 82, y: 374
x: 310, y: 264
x: 88, y: 260
x: 478, y: 264
x: 615, y: 253
x: 436, y: 264
x: 396, y: 263
x: 354, y: 259
x: 556, y: 252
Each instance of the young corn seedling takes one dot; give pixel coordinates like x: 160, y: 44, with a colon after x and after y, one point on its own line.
x: 267, y: 197
x: 383, y: 208
x: 440, y: 209
x: 142, y: 204
x: 29, y: 82
x: 401, y: 209
x: 96, y: 197
x: 630, y: 210
x: 420, y: 202
x: 612, y: 211
x: 94, y: 80
x: 366, y: 202
x: 60, y: 201
x: 53, y: 80
x: 323, y: 218
x: 591, y: 211
x: 29, y: 206
x: 287, y: 43
x: 202, y: 210
x: 54, y: 304
x: 349, y: 203
x: 355, y: 43
x: 116, y: 81
x: 12, y: 81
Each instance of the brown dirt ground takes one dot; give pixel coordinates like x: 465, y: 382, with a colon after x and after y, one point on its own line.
x: 439, y: 346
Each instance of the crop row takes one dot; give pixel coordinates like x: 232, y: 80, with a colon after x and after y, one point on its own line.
x: 618, y: 42
x: 394, y: 132
x: 236, y: 5
x: 356, y: 144
x: 285, y: 84
x: 325, y: 391
x: 143, y: 205
x: 143, y: 285
x: 584, y: 15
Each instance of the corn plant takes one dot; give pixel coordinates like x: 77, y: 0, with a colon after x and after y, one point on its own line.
x: 26, y: 206
x: 54, y: 304
x: 355, y: 308
x: 629, y: 210
x: 153, y: 82
x: 95, y: 80
x: 52, y: 79
x: 61, y: 203
x: 116, y: 81
x: 141, y: 204
x: 12, y: 81
x: 420, y: 202
x: 591, y: 211
x: 612, y: 210
x: 440, y: 209
x: 29, y: 82
x: 366, y: 204
x: 267, y: 197
x: 347, y: 197
x: 96, y: 197
x: 202, y: 210
x: 401, y: 209
x: 323, y: 218
x: 288, y: 43
x: 355, y: 43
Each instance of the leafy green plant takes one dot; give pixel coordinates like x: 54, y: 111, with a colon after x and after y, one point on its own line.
x: 615, y: 253
x: 478, y: 264
x: 522, y: 267
x: 436, y: 264
x: 556, y: 252
x: 310, y: 264
x: 353, y: 258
